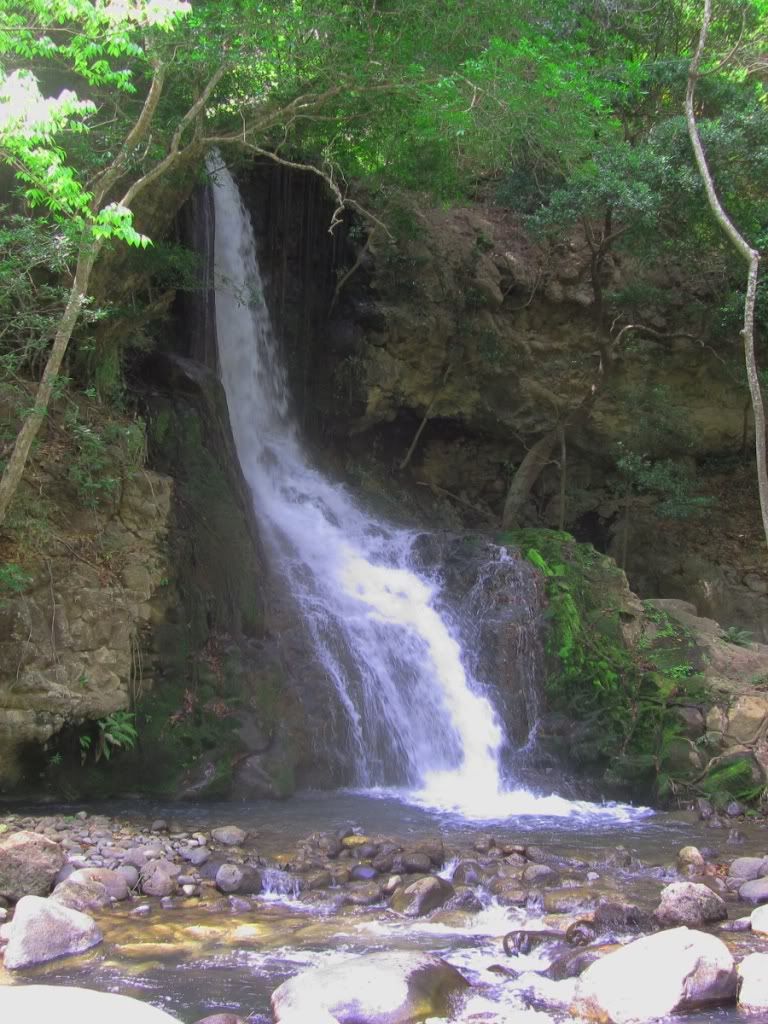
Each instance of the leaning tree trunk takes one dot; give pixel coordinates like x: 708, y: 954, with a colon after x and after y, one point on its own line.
x: 25, y: 438
x: 752, y: 257
x: 527, y: 474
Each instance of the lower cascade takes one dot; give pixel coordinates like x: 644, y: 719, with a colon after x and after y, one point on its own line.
x: 415, y: 716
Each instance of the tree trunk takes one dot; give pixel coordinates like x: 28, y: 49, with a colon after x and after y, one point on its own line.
x: 527, y: 474
x: 752, y: 257
x: 14, y: 468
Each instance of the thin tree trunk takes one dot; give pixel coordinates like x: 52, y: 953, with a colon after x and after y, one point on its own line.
x: 526, y: 476
x: 750, y: 255
x: 16, y: 463
x: 563, y: 477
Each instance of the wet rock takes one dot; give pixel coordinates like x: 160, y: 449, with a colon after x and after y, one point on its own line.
x: 464, y: 899
x: 421, y: 896
x: 44, y: 930
x: 509, y: 894
x: 746, y: 869
x: 361, y: 873
x: 130, y: 874
x: 362, y: 894
x: 412, y: 863
x: 229, y: 878
x: 44, y: 1004
x: 468, y: 872
x: 690, y: 857
x: 29, y: 863
x: 82, y: 896
x: 753, y: 982
x: 622, y: 917
x: 755, y: 891
x: 689, y: 903
x: 197, y: 855
x: 568, y: 901
x: 574, y: 962
x: 537, y: 873
x: 158, y: 878
x: 113, y: 881
x: 655, y: 976
x: 378, y: 988
x: 159, y: 825
x: 484, y: 843
x: 229, y: 835
x: 316, y: 880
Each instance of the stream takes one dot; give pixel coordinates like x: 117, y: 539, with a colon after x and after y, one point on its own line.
x: 195, y: 957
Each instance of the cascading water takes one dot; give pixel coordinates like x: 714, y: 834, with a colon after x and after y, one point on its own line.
x: 415, y: 718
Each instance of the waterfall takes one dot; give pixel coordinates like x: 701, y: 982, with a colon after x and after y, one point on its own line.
x: 415, y: 716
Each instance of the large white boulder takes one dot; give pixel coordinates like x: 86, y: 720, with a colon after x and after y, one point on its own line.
x: 45, y: 1004
x: 753, y: 982
x: 657, y: 975
x: 43, y: 929
x: 397, y: 987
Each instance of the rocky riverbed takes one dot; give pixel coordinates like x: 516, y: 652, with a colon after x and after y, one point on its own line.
x: 459, y: 922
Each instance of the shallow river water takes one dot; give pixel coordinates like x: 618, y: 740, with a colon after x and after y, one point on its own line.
x: 199, y: 957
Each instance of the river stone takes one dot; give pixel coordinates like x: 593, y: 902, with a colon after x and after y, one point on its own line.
x: 753, y: 982
x: 568, y: 901
x: 81, y: 895
x: 746, y: 869
x: 114, y: 882
x: 46, y: 1004
x: 397, y: 987
x: 197, y: 855
x: 413, y: 863
x: 758, y: 921
x: 361, y: 873
x: 690, y: 857
x: 44, y: 930
x: 421, y: 896
x: 229, y: 878
x: 657, y: 975
x: 362, y: 894
x: 130, y: 874
x: 468, y: 872
x: 29, y: 864
x: 689, y: 903
x: 755, y: 891
x: 534, y: 873
x: 229, y: 835
x: 158, y: 878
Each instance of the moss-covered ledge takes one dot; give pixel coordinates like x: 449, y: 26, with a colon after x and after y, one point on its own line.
x: 629, y: 688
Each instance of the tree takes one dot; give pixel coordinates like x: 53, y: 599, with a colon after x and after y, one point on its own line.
x: 745, y: 250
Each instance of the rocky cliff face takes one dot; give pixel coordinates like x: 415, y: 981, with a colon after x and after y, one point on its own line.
x: 467, y: 327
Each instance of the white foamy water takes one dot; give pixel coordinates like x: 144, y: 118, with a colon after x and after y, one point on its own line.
x: 414, y: 717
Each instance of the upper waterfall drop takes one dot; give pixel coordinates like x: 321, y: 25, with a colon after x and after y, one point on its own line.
x: 414, y: 716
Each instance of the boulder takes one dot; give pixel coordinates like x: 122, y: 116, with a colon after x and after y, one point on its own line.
x: 674, y: 970
x: 397, y: 987
x: 229, y: 835
x: 239, y: 878
x: 48, y: 1003
x: 158, y: 878
x: 755, y: 891
x: 758, y: 921
x: 81, y: 895
x: 422, y: 896
x: 753, y: 982
x: 690, y: 857
x: 29, y: 864
x: 689, y: 903
x: 44, y: 930
x: 115, y: 882
x: 746, y: 869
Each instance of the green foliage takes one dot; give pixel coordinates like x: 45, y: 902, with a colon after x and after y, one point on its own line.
x: 116, y: 731
x: 105, y: 451
x: 735, y: 635
x: 621, y: 697
x: 13, y: 580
